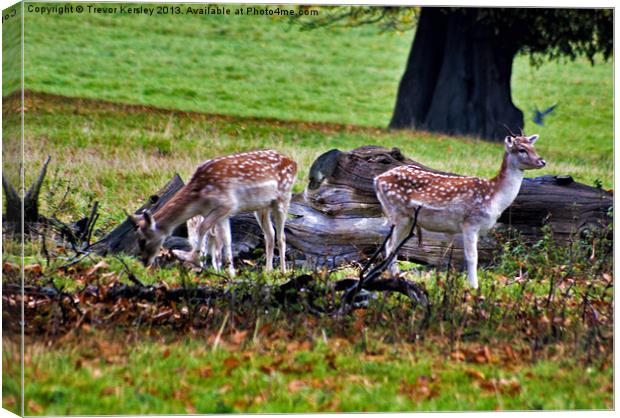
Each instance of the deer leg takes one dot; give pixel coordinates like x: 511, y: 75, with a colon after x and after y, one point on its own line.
x: 215, y: 243
x: 470, y: 246
x: 193, y: 225
x: 199, y: 244
x: 227, y: 244
x: 218, y: 220
x: 262, y: 216
x: 279, y: 217
x: 401, y: 229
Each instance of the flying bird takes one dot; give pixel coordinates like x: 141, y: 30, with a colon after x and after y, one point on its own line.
x: 540, y: 116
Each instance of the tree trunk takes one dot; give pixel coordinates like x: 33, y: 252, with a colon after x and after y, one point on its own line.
x: 457, y: 79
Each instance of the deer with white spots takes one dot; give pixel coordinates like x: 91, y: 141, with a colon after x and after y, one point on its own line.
x: 258, y: 181
x: 452, y: 203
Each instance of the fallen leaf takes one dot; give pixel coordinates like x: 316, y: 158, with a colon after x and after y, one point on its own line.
x: 8, y: 267
x: 487, y: 353
x: 10, y: 401
x: 225, y: 388
x: 510, y: 387
x: 420, y: 390
x: 107, y: 391
x: 35, y: 269
x: 510, y: 353
x: 480, y: 358
x: 267, y: 369
x: 230, y: 363
x: 260, y: 398
x: 483, y: 355
x: 205, y: 372
x: 238, y: 337
x: 296, y: 385
x: 34, y: 407
x: 476, y: 374
x: 292, y: 346
x: 100, y: 265
x: 487, y: 384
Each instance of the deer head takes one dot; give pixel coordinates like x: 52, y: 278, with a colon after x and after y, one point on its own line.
x: 323, y: 167
x: 150, y: 239
x: 521, y: 152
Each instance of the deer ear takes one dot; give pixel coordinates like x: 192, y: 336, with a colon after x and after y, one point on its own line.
x: 509, y: 141
x: 148, y: 220
x: 533, y: 138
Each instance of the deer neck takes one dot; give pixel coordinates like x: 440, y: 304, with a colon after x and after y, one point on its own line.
x: 176, y: 211
x: 506, y: 184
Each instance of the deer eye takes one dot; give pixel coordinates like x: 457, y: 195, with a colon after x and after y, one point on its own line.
x: 522, y: 151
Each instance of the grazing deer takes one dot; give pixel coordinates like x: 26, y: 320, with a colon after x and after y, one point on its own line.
x: 213, y: 244
x: 259, y: 181
x: 452, y: 203
x: 323, y: 167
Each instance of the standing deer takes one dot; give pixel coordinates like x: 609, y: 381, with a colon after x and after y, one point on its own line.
x: 259, y: 181
x: 452, y: 203
x: 213, y: 244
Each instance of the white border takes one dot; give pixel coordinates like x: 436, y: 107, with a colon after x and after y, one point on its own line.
x: 479, y: 3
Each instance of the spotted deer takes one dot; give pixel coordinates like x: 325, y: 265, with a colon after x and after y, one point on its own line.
x: 212, y: 245
x: 452, y: 203
x: 258, y: 181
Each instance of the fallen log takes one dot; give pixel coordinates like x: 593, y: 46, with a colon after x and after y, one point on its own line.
x: 123, y: 238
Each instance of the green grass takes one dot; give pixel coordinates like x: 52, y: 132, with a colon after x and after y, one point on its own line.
x: 11, y: 49
x: 112, y: 377
x: 11, y: 81
x: 238, y: 65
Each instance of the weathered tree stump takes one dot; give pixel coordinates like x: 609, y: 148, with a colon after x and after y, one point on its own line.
x: 13, y: 214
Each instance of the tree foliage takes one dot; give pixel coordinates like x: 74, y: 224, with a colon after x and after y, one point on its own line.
x: 387, y: 17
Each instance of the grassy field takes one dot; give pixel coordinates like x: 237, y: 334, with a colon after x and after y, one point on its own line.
x: 121, y: 103
x: 131, y: 375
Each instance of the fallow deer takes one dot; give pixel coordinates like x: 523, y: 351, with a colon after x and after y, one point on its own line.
x: 258, y: 181
x: 212, y: 245
x: 452, y: 203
